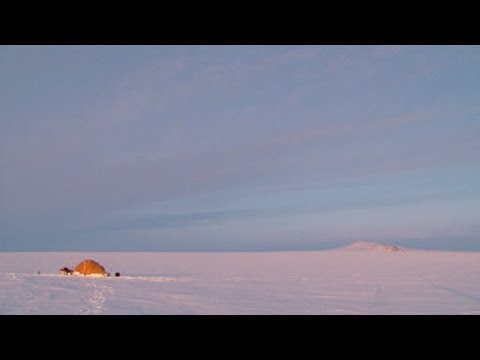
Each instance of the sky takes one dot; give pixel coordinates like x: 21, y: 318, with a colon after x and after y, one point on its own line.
x: 238, y: 148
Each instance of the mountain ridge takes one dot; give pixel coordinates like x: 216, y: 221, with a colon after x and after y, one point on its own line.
x: 372, y: 246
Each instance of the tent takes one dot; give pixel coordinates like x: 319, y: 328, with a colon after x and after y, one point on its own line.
x: 90, y: 267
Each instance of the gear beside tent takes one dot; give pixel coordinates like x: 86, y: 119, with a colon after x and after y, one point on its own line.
x: 87, y: 268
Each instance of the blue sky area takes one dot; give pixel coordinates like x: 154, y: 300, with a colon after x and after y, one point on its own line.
x: 238, y: 148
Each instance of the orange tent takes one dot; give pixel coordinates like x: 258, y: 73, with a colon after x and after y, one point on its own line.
x: 90, y: 267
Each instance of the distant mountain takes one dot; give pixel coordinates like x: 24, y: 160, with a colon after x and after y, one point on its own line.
x: 370, y: 246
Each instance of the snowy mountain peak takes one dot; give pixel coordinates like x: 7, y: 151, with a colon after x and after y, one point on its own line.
x: 370, y: 246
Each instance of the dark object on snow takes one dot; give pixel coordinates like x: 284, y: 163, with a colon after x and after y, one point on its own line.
x: 117, y: 274
x: 65, y: 271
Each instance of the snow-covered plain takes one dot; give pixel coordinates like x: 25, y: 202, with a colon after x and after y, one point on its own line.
x: 312, y: 282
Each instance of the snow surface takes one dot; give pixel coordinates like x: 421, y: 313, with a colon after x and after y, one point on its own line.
x: 314, y: 282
